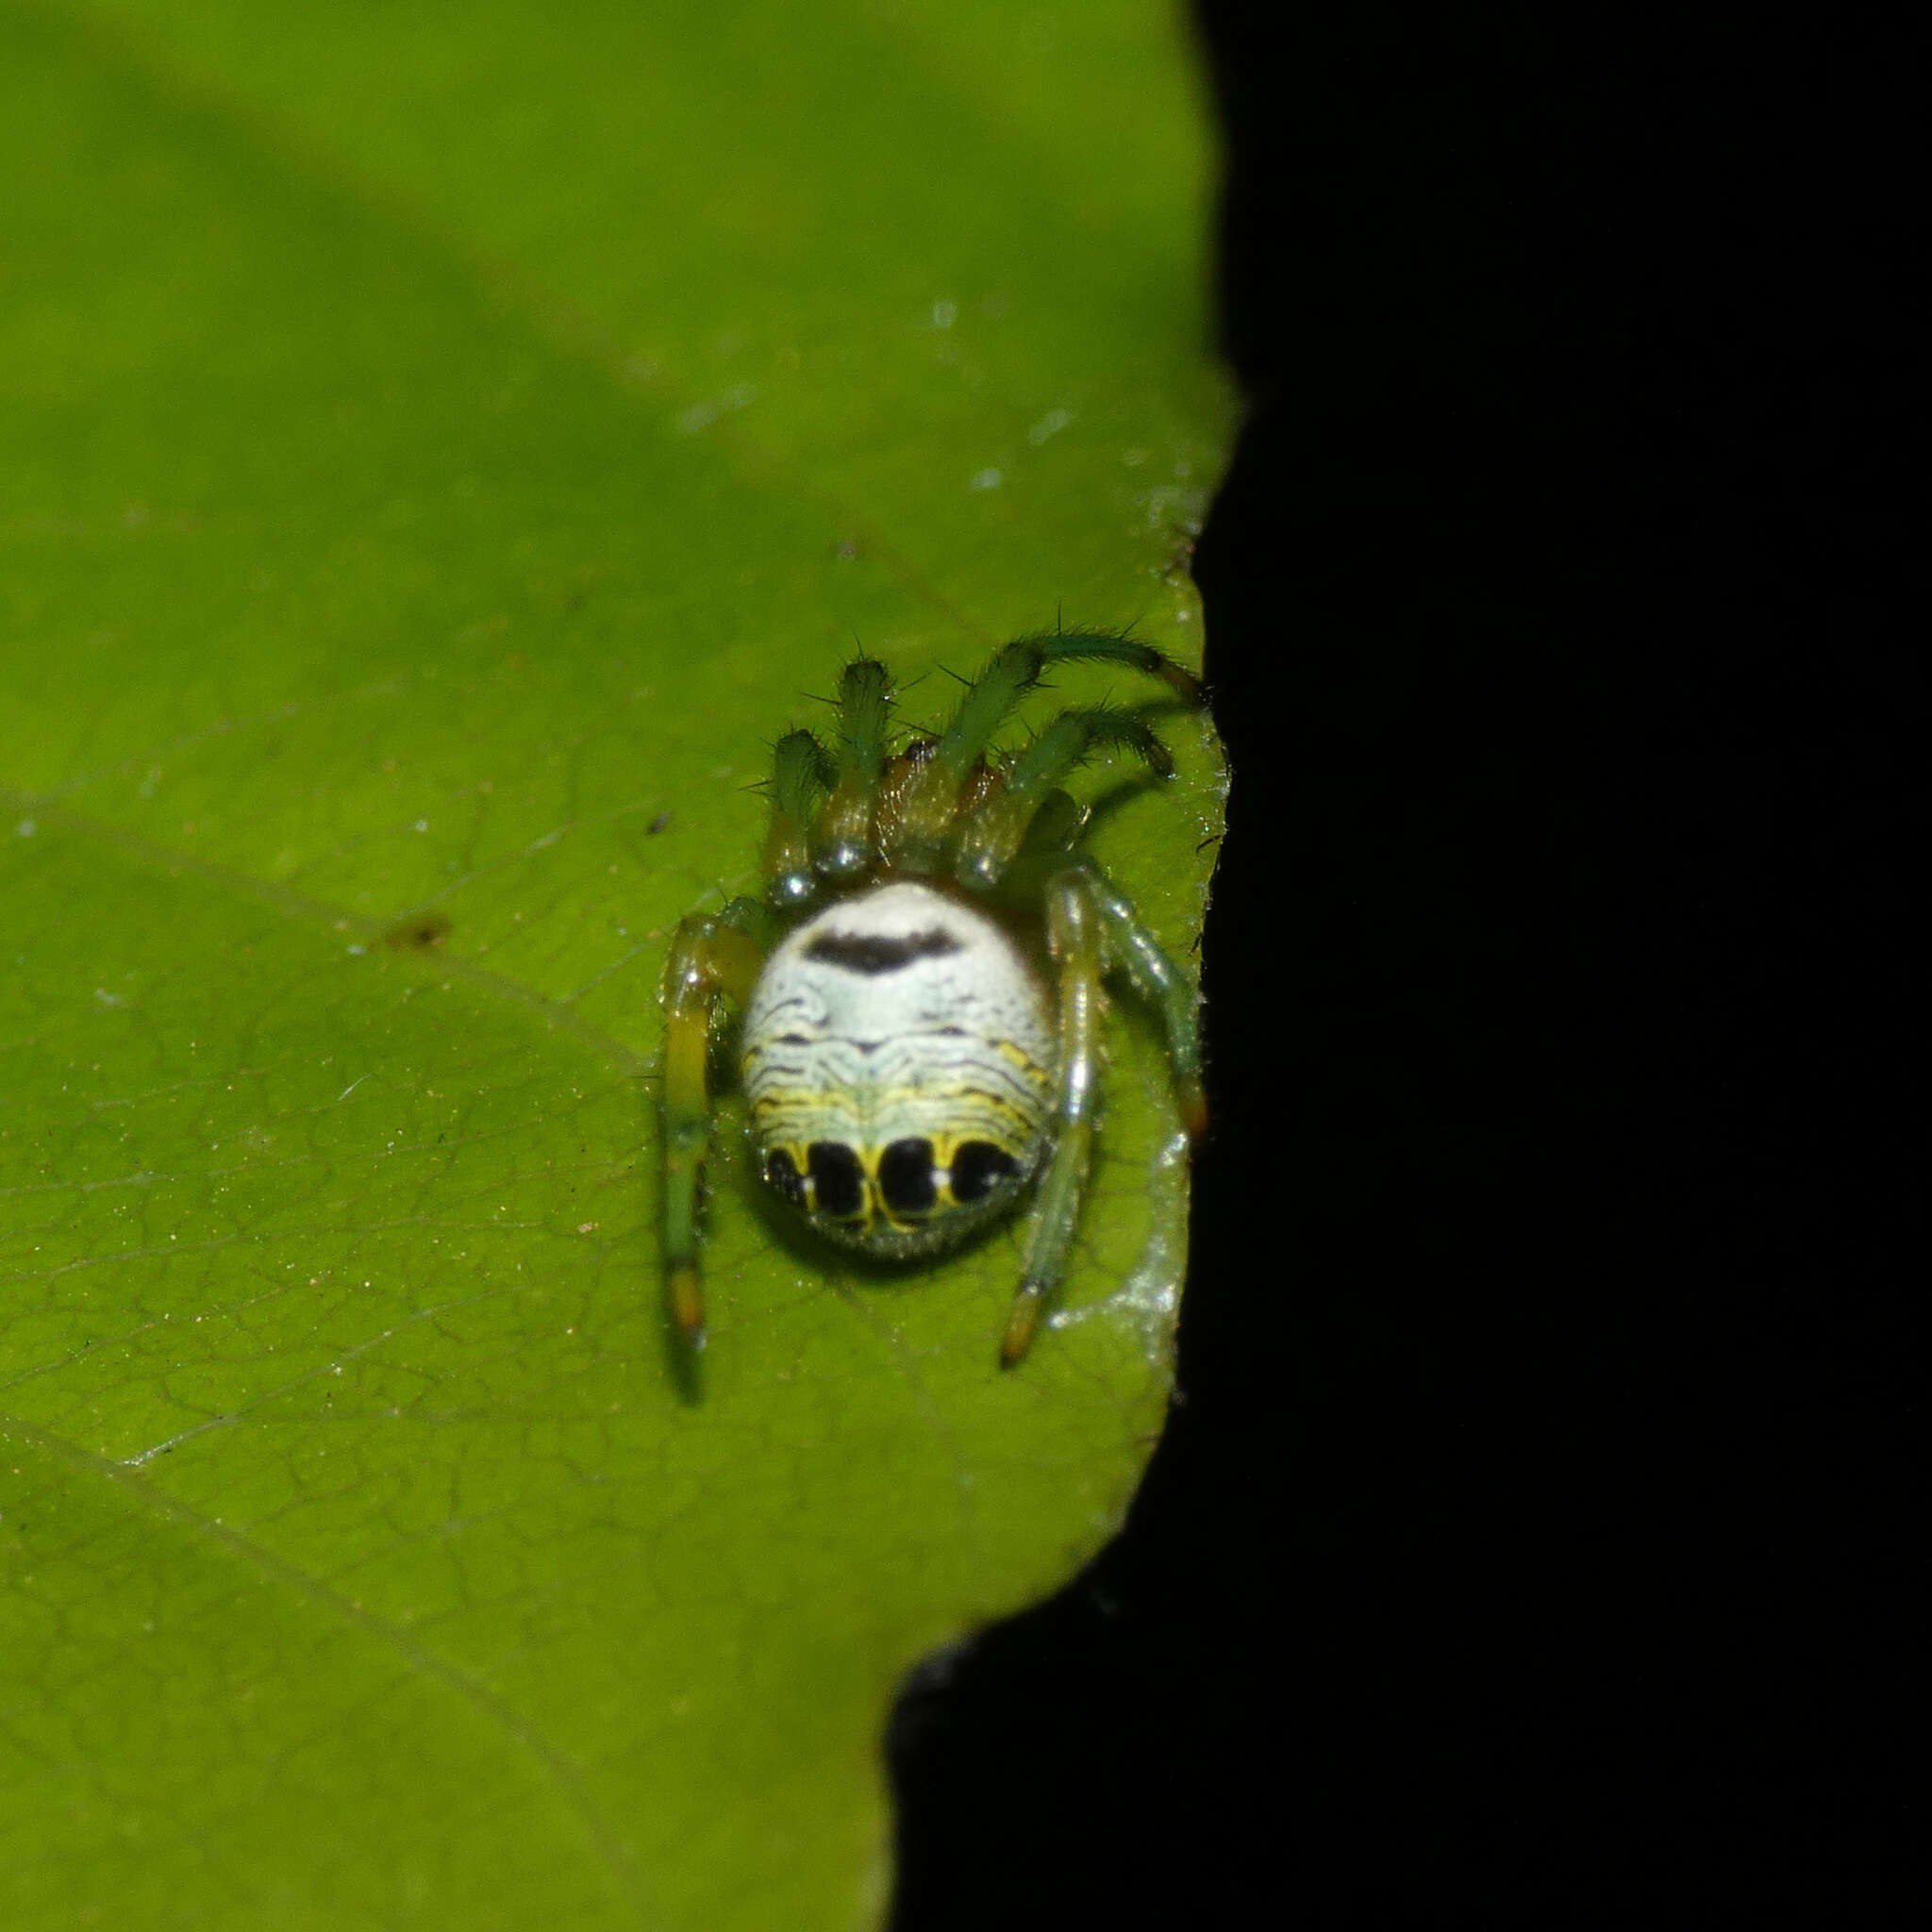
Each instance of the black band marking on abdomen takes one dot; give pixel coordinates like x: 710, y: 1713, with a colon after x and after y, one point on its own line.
x: 872, y: 954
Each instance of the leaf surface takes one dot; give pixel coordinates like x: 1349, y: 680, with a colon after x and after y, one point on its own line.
x: 444, y: 447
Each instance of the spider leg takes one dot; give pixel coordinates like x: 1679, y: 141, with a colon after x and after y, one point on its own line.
x: 1074, y: 934
x: 1160, y: 983
x: 713, y: 956
x: 991, y: 833
x: 846, y: 842
x: 800, y: 773
x: 1016, y: 668
x: 1055, y: 830
x: 932, y: 800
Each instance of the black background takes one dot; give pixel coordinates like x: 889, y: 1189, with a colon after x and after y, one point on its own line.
x: 1532, y: 1539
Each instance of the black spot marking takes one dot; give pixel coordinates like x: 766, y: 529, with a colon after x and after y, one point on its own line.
x: 782, y: 1171
x: 875, y: 953
x: 978, y: 1166
x: 905, y: 1177
x: 422, y: 932
x: 838, y: 1181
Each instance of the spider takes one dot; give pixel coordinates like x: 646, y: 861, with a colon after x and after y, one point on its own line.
x: 910, y: 1074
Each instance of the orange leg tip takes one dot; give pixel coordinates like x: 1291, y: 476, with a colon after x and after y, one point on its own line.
x: 1184, y: 683
x: 688, y: 1304
x: 1021, y: 1325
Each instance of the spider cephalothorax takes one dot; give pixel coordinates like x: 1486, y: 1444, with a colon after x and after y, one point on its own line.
x: 910, y: 1071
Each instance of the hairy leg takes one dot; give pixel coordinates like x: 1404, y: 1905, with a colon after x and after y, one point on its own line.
x: 991, y: 834
x: 713, y: 956
x: 1073, y: 926
x: 932, y: 801
x: 800, y: 774
x: 1159, y: 981
x: 845, y: 843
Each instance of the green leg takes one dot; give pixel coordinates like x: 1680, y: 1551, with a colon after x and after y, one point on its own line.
x: 989, y: 836
x: 844, y: 844
x: 923, y: 819
x: 712, y: 955
x: 1073, y: 928
x: 1164, y: 985
x: 1015, y: 669
x: 801, y: 773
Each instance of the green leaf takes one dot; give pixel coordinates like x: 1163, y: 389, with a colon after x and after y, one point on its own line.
x: 444, y: 447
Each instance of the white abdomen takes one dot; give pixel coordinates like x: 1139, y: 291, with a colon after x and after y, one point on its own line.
x: 899, y: 1059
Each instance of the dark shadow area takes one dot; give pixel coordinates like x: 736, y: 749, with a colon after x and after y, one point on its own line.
x: 1532, y: 1544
